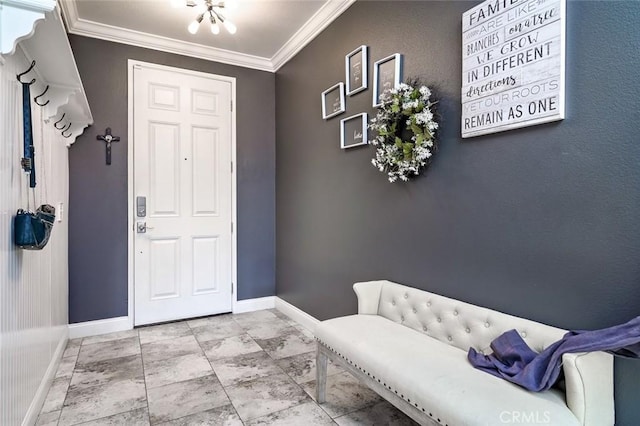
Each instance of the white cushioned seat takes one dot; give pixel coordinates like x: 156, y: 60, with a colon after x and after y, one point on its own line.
x: 436, y: 377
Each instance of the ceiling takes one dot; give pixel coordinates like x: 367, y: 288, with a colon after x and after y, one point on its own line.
x: 270, y: 32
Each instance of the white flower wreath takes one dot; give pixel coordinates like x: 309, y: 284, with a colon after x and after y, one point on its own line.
x: 405, y: 108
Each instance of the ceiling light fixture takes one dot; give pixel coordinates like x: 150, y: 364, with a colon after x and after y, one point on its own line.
x: 213, y: 10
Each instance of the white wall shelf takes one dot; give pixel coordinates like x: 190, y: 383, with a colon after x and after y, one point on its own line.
x: 18, y: 19
x: 39, y: 32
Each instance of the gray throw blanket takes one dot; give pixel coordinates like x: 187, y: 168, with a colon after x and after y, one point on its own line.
x: 512, y: 359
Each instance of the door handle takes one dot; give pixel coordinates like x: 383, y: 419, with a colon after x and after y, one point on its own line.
x: 141, y: 227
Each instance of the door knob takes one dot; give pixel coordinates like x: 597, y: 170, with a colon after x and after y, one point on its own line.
x: 141, y: 227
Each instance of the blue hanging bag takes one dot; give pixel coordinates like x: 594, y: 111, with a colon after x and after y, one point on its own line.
x: 31, y: 231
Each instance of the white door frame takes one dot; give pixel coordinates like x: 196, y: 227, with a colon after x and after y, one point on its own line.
x: 130, y: 195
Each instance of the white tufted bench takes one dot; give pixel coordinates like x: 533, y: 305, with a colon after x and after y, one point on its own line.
x: 410, y: 346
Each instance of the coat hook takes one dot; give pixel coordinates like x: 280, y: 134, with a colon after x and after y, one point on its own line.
x: 39, y: 96
x: 19, y: 76
x: 56, y: 123
x: 67, y: 128
x: 69, y: 135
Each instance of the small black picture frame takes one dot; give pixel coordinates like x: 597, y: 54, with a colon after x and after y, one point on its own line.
x: 387, y: 74
x: 353, y: 131
x: 333, y: 101
x: 356, y: 70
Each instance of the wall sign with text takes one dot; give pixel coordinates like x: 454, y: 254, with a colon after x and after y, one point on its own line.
x: 353, y: 131
x: 356, y: 70
x: 387, y: 74
x: 513, y: 65
x: 333, y: 101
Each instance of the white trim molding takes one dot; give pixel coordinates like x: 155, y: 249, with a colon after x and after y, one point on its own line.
x: 113, y: 325
x: 136, y: 38
x: 103, y: 326
x: 304, y: 319
x: 37, y: 402
x: 310, y: 30
x: 257, y: 304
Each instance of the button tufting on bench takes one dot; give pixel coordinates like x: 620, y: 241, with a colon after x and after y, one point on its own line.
x: 416, y: 315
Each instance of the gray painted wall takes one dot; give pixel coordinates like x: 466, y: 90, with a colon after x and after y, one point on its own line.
x: 98, y: 193
x: 540, y: 222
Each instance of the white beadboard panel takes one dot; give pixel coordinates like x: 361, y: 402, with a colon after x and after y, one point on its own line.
x: 33, y: 284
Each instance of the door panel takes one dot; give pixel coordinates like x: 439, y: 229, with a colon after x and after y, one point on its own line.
x: 205, y: 150
x: 164, y: 97
x: 164, y: 268
x: 164, y: 165
x: 182, y: 164
x: 204, y: 102
x: 205, y: 258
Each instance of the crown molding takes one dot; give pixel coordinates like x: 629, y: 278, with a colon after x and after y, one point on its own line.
x: 83, y: 27
x: 310, y: 30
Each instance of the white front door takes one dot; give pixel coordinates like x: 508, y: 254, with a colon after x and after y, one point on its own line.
x: 182, y: 136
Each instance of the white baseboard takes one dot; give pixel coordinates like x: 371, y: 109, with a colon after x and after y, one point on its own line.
x: 296, y: 314
x: 256, y: 304
x: 31, y: 417
x: 112, y: 325
x: 94, y: 328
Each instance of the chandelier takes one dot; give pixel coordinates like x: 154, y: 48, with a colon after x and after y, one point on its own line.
x: 209, y: 9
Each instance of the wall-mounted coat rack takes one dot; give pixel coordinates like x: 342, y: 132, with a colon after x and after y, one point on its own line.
x: 28, y: 162
x: 36, y: 99
x: 55, y: 77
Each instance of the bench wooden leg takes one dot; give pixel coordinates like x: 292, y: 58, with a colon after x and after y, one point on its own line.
x: 321, y: 374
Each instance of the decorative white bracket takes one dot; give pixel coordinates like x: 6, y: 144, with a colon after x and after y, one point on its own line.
x: 47, y: 44
x: 18, y: 19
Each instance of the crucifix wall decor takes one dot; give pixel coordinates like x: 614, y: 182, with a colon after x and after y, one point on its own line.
x: 108, y: 138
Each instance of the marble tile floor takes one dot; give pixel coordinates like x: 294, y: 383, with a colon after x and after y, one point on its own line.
x: 256, y: 368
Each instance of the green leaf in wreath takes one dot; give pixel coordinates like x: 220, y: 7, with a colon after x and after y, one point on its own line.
x: 398, y: 142
x: 428, y: 134
x: 395, y: 108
